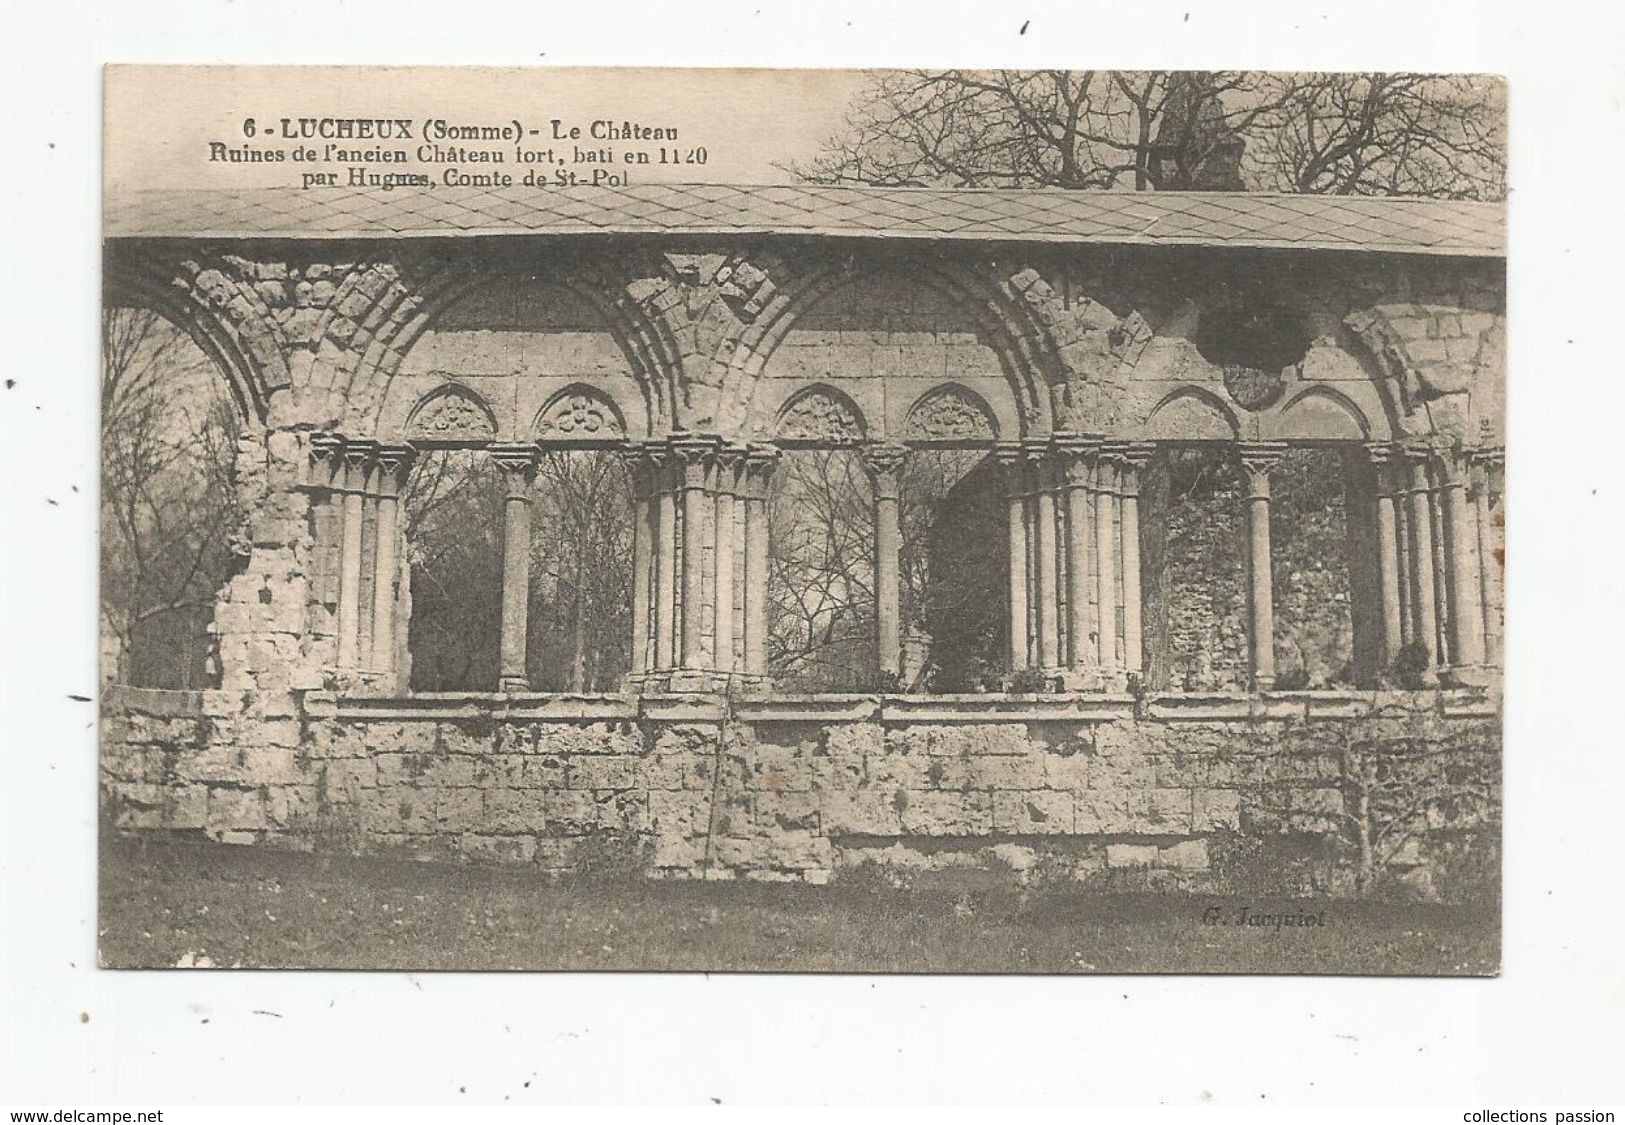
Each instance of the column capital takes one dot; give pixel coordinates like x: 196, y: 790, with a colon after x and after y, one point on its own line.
x: 325, y: 446
x: 761, y: 454
x: 641, y: 463
x: 359, y: 453
x: 1134, y: 457
x: 1034, y: 456
x: 884, y: 459
x: 1012, y: 462
x: 518, y: 464
x: 1135, y: 454
x: 359, y: 457
x: 1454, y: 465
x: 1387, y: 461
x: 1261, y: 454
x: 1076, y: 456
x: 759, y: 461
x: 726, y: 464
x: 327, y: 454
x: 1258, y: 458
x: 395, y: 461
x: 1416, y: 453
x: 692, y: 454
x: 1381, y: 453
x: 634, y: 453
x: 692, y: 447
x: 1487, y: 465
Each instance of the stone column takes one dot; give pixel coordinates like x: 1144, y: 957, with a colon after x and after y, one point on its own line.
x: 1258, y: 458
x: 1425, y: 626
x: 885, y: 463
x: 394, y: 462
x: 1399, y: 477
x: 727, y: 471
x: 758, y: 469
x: 1012, y: 465
x: 1487, y: 464
x: 369, y: 559
x: 694, y: 457
x: 1466, y: 586
x: 358, y: 457
x: 327, y: 488
x: 1387, y: 552
x: 1106, y: 568
x: 644, y: 532
x: 1045, y: 578
x: 1082, y: 656
x: 1134, y: 458
x: 1445, y: 644
x: 663, y: 473
x: 518, y: 465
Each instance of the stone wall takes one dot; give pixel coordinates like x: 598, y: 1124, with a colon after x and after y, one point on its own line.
x: 1295, y: 791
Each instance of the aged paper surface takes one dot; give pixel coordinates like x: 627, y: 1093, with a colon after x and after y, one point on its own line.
x: 802, y: 520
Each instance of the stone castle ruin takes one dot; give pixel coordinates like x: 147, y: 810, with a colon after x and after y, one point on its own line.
x: 1170, y: 531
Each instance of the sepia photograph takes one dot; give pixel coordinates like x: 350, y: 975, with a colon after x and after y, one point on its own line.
x: 915, y: 521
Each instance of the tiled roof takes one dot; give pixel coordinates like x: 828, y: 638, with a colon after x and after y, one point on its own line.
x: 1392, y: 225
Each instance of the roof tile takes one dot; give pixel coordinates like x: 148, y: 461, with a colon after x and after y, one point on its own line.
x: 1396, y: 225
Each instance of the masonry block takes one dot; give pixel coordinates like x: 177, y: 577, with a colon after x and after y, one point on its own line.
x: 947, y: 814
x: 1131, y: 855
x: 861, y: 813
x: 1033, y: 812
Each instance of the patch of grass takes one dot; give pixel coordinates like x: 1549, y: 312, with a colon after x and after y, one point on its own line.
x: 163, y: 902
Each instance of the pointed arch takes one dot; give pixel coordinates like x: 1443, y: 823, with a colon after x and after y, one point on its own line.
x: 382, y: 308
x: 1321, y: 414
x: 1025, y: 349
x: 451, y: 415
x: 820, y: 415
x: 950, y: 413
x: 1192, y: 414
x: 579, y: 414
x: 221, y: 313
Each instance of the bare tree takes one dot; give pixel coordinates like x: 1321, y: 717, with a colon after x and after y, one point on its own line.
x: 579, y: 619
x: 821, y: 573
x: 454, y: 529
x: 1387, y: 134
x: 581, y: 567
x: 169, y: 440
x: 1173, y: 131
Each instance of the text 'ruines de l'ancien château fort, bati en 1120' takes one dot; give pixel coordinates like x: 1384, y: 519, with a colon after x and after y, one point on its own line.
x: 345, y: 151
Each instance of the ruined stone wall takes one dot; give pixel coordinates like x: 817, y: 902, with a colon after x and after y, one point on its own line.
x: 1312, y: 568
x: 1195, y: 580
x: 1294, y: 791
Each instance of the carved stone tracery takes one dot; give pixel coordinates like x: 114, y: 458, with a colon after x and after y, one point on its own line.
x: 451, y: 414
x: 950, y: 414
x: 819, y: 414
x: 580, y: 414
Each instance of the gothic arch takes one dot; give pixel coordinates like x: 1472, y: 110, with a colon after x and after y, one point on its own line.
x: 221, y: 313
x: 1026, y: 353
x: 579, y: 414
x: 820, y: 415
x: 1192, y: 414
x: 950, y: 414
x: 451, y: 415
x: 397, y: 300
x: 1320, y: 414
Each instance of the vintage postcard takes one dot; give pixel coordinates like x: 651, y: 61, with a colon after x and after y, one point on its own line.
x: 922, y: 521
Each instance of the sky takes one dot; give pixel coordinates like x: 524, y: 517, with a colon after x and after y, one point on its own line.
x: 160, y: 121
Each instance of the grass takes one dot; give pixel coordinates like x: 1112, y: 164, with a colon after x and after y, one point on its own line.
x: 165, y: 903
